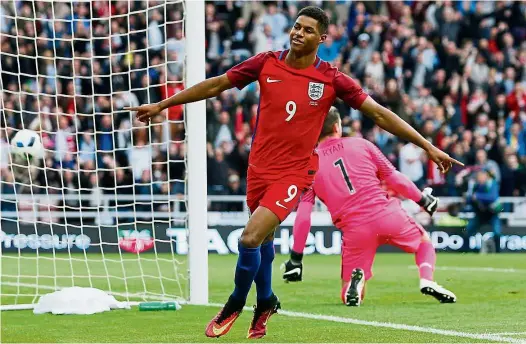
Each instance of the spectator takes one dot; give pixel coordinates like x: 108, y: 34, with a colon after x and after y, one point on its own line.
x: 240, y: 47
x: 456, y: 72
x: 484, y: 198
x: 217, y: 173
x: 155, y: 35
x: 362, y: 53
x: 234, y: 189
x: 329, y: 50
x: 479, y: 71
x: 262, y: 38
x: 276, y: 20
x: 411, y: 163
x: 8, y: 187
x: 491, y: 166
x: 87, y: 148
x: 141, y: 157
x: 223, y: 131
x: 451, y: 218
x: 64, y: 139
x: 4, y: 152
x: 375, y: 69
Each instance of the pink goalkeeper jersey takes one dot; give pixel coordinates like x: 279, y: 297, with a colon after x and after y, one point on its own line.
x: 348, y: 181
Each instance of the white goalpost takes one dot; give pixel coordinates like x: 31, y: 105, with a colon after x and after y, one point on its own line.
x: 103, y: 207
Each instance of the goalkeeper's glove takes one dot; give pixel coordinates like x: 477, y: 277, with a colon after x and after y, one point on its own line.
x: 292, y: 272
x: 428, y: 201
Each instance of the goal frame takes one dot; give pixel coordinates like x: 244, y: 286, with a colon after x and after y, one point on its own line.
x: 194, y: 22
x: 196, y: 155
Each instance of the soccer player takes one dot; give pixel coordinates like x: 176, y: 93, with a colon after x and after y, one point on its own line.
x: 349, y: 183
x: 297, y: 91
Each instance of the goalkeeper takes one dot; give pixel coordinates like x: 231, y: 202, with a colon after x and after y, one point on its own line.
x: 349, y: 183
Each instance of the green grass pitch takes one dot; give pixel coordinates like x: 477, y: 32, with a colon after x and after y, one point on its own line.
x: 488, y: 302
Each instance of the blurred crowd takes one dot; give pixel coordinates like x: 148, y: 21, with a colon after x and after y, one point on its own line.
x: 456, y: 71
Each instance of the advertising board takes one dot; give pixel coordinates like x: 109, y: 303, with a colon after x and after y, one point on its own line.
x: 144, y: 238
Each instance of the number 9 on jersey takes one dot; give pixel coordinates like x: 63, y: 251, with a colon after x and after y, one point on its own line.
x: 291, y: 110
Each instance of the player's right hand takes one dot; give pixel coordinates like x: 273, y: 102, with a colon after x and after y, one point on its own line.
x: 292, y: 272
x: 428, y: 201
x: 443, y: 160
x: 145, y: 112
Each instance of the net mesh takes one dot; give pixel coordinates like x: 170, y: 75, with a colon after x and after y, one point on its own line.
x: 98, y: 210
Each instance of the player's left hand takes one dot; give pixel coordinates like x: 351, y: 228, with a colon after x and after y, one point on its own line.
x: 429, y: 202
x: 443, y: 160
x: 292, y: 272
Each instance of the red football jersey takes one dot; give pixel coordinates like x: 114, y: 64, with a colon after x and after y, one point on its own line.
x: 292, y: 107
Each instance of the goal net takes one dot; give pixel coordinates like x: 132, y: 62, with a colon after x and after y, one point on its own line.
x: 104, y: 206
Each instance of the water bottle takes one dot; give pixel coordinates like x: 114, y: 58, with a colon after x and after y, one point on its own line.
x: 159, y: 306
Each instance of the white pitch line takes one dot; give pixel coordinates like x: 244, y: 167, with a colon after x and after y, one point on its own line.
x: 478, y: 269
x: 488, y: 336
x: 509, y: 333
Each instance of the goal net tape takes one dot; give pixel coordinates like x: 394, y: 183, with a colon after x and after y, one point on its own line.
x: 101, y: 208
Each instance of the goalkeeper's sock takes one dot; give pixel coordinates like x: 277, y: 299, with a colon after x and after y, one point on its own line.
x: 426, y: 258
x: 263, y: 278
x: 247, y: 267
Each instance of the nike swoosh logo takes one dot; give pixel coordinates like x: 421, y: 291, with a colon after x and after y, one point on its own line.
x: 280, y: 205
x: 432, y: 205
x: 219, y: 330
x: 293, y: 271
x: 269, y: 80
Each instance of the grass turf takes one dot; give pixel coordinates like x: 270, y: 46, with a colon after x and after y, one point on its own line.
x: 488, y: 302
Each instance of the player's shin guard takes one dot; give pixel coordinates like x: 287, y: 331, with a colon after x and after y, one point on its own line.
x: 263, y: 277
x: 425, y: 259
x: 248, y: 263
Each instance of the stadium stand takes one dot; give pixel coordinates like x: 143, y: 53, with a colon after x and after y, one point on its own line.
x: 454, y: 70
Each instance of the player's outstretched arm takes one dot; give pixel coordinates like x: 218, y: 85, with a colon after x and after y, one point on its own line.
x: 205, y: 89
x: 402, y: 185
x: 389, y: 121
x: 398, y: 182
x: 405, y: 187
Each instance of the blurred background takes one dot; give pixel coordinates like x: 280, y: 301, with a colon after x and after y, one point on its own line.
x: 456, y: 71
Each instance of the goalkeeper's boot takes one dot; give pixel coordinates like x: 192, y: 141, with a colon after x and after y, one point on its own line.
x: 223, y: 321
x: 438, y: 292
x: 354, y: 293
x: 262, y: 312
x: 292, y: 272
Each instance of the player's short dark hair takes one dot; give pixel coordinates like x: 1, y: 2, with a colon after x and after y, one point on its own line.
x: 332, y: 118
x: 318, y: 14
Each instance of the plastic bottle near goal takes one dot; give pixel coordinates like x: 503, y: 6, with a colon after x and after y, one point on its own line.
x: 159, y: 306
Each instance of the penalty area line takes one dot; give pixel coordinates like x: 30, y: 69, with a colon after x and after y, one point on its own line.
x: 487, y: 336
